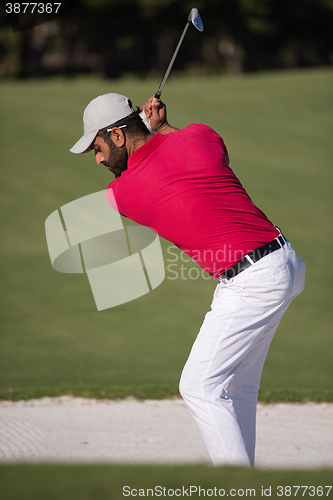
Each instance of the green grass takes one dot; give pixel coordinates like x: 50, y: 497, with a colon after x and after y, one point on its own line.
x: 104, y: 482
x: 277, y: 127
x: 141, y: 392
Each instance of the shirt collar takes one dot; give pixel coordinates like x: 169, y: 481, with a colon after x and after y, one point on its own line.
x: 145, y: 150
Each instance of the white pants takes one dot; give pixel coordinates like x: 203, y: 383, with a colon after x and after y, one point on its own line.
x: 221, y: 378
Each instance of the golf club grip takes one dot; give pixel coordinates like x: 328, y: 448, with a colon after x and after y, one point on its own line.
x: 155, y: 100
x: 146, y: 121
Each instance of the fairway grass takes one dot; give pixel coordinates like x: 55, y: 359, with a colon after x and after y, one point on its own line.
x: 277, y: 127
x: 155, y: 392
x: 114, y: 482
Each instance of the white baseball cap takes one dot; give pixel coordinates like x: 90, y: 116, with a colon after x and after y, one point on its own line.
x: 102, y: 111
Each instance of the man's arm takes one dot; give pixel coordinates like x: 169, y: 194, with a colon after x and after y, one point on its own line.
x: 158, y: 117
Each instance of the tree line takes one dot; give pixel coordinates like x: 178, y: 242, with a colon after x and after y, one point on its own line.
x: 138, y: 37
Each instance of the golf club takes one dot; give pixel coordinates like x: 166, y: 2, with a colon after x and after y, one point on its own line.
x: 195, y: 19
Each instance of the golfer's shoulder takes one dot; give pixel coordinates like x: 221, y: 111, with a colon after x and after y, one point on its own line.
x: 200, y: 130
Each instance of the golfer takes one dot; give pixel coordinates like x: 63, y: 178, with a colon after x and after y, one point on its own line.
x: 179, y: 183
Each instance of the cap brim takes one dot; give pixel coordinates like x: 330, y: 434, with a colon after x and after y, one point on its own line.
x: 83, y: 144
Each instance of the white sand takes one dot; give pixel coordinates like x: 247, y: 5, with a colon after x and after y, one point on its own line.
x: 69, y: 429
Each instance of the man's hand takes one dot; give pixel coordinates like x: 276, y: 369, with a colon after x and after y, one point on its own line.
x: 157, y: 116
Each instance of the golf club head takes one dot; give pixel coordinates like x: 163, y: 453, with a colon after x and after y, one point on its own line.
x: 196, y: 20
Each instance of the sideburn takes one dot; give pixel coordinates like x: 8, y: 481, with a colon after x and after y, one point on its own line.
x: 117, y: 162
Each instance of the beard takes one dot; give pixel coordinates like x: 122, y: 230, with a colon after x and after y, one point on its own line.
x: 117, y: 161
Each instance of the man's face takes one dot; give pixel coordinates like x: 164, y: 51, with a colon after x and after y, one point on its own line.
x: 108, y: 154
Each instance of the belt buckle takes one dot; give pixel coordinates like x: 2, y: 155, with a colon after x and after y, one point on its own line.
x: 221, y: 277
x: 279, y: 238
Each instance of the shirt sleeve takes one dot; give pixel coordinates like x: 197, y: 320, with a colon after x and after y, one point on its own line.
x: 111, y: 193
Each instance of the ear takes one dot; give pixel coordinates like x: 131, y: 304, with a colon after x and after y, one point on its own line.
x: 118, y: 137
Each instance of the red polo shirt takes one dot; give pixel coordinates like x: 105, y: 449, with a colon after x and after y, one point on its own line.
x: 181, y: 186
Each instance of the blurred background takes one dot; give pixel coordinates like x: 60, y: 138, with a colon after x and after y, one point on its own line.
x: 137, y: 37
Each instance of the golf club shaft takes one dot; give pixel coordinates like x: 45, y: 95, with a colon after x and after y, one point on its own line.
x: 159, y: 92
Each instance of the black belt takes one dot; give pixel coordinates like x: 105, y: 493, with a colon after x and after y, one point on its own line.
x: 253, y: 257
